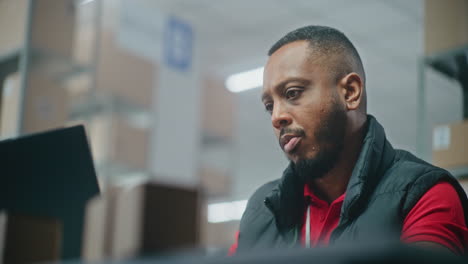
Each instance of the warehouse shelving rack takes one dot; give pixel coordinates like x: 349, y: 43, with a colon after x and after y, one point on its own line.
x: 452, y: 64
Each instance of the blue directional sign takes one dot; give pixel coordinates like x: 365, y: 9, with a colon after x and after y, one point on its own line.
x: 178, y: 44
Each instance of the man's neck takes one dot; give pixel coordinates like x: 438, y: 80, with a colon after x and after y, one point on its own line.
x: 334, y: 183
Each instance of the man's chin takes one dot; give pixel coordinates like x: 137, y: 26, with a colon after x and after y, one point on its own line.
x: 315, y: 166
x: 297, y: 157
x: 296, y: 160
x: 293, y: 158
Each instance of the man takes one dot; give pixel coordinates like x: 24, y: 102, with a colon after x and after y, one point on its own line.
x: 345, y: 182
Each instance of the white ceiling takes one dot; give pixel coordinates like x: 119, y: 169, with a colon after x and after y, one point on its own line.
x: 239, y: 33
x: 235, y: 35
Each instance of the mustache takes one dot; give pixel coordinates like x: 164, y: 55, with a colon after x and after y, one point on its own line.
x: 294, y: 131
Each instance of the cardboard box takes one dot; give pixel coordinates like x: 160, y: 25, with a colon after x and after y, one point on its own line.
x: 52, y: 27
x: 13, y: 17
x: 215, y: 182
x: 121, y: 77
x: 95, y: 229
x: 30, y: 239
x: 153, y: 217
x: 123, y: 74
x: 45, y: 104
x: 446, y: 25
x: 85, y: 47
x: 115, y: 140
x: 141, y: 219
x: 450, y: 145
x: 98, y: 227
x: 218, y: 110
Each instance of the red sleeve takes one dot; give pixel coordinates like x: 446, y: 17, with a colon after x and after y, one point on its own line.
x: 437, y: 217
x: 233, y: 248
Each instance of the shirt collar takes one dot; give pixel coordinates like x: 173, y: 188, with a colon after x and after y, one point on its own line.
x: 310, y: 196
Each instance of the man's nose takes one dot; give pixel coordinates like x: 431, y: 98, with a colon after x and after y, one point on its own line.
x: 280, y: 117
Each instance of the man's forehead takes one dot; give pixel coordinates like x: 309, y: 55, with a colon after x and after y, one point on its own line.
x: 290, y: 57
x: 285, y: 52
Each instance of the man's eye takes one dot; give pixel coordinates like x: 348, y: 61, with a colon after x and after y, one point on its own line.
x: 292, y: 93
x: 269, y: 107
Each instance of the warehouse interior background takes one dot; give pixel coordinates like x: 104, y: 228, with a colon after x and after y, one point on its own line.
x: 149, y: 80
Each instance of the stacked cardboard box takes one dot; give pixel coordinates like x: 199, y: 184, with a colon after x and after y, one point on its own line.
x: 218, y: 105
x: 218, y: 124
x: 51, y: 41
x: 123, y: 74
x: 124, y: 86
x: 450, y: 145
x: 13, y: 16
x: 446, y: 28
x: 115, y: 140
x: 53, y: 27
x: 446, y: 25
x: 215, y: 182
x: 144, y: 218
x: 45, y: 104
x: 450, y: 148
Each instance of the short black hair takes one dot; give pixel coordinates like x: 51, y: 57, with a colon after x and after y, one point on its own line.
x: 328, y: 42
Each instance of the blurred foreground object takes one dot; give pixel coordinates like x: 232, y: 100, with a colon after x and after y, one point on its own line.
x: 47, y: 179
x: 142, y: 219
x: 379, y: 252
x: 29, y: 239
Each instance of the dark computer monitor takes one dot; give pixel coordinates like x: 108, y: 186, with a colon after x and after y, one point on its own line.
x: 50, y: 174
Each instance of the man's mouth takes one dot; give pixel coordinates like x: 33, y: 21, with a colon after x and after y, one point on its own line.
x: 289, y: 142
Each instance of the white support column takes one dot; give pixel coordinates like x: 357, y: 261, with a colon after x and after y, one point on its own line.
x: 176, y: 134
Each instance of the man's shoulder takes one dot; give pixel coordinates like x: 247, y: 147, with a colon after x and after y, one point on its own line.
x: 415, y: 177
x: 407, y: 169
x: 405, y: 161
x: 406, y: 157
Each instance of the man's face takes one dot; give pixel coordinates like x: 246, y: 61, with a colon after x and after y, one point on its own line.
x: 307, y: 113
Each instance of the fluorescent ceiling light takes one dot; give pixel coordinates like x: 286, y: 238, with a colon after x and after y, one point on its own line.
x: 84, y: 2
x: 245, y: 80
x: 224, y: 212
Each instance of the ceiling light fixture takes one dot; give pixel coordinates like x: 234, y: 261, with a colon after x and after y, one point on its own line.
x: 84, y: 2
x: 245, y: 80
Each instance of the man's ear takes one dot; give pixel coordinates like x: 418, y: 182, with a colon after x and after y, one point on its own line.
x: 352, y: 87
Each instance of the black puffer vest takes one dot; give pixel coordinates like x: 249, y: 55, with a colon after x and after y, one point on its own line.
x: 384, y: 186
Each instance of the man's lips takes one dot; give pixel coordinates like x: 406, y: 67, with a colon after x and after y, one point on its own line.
x: 289, y: 142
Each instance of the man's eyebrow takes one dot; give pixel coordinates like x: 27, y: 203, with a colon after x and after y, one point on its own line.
x: 279, y: 86
x: 265, y: 96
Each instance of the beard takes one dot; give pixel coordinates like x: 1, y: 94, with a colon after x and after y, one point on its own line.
x: 330, y: 137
